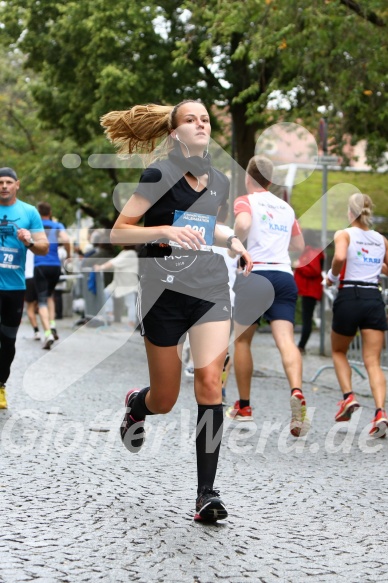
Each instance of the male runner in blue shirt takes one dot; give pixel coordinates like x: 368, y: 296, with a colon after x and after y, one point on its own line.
x: 21, y: 228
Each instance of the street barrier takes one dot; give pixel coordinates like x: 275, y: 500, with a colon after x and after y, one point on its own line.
x: 355, y: 349
x: 92, y: 287
x: 65, y: 287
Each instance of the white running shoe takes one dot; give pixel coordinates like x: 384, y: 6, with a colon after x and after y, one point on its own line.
x: 48, y: 342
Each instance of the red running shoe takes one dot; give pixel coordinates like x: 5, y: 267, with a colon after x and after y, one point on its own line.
x: 237, y: 414
x: 379, y: 424
x: 300, y: 423
x: 347, y: 408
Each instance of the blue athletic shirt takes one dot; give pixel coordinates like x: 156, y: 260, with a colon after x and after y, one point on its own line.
x: 52, y: 229
x: 19, y: 215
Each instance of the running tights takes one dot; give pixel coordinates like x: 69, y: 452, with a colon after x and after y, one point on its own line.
x: 11, y: 309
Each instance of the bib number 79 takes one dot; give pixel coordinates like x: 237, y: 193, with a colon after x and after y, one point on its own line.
x: 8, y: 257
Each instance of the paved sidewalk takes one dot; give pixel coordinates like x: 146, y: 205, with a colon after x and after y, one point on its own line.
x: 77, y: 507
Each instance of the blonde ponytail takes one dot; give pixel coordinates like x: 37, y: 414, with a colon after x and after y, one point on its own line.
x: 361, y: 207
x: 137, y: 129
x: 141, y: 128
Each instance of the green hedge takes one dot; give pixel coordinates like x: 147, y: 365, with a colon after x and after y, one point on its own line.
x: 309, y: 192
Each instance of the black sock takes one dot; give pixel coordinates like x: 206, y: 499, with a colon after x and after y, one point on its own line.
x: 208, y: 441
x: 244, y: 403
x: 377, y: 410
x: 139, y: 408
x: 293, y: 390
x: 346, y: 395
x: 36, y: 329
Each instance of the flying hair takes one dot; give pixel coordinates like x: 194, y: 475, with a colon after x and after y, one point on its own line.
x: 141, y: 128
x: 137, y: 129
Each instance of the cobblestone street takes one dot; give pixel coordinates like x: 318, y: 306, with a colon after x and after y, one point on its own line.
x: 78, y: 507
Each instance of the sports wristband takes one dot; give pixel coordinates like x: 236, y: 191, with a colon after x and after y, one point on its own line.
x: 229, y: 241
x: 332, y: 277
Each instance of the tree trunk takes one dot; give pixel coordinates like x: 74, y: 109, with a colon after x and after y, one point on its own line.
x: 243, y: 146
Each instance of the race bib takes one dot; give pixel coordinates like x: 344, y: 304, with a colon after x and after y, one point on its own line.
x: 10, y: 258
x: 205, y: 224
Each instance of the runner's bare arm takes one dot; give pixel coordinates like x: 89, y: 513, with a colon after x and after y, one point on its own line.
x: 236, y: 248
x: 297, y: 244
x: 242, y: 225
x: 64, y: 239
x: 41, y: 244
x: 384, y: 269
x: 126, y: 230
x: 341, y: 242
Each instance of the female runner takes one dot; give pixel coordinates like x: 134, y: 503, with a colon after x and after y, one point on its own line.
x: 359, y: 256
x: 183, y: 285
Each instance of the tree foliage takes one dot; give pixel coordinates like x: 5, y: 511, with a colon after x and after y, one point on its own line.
x: 36, y: 153
x: 313, y: 57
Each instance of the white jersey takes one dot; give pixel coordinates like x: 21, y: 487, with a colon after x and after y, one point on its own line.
x: 273, y: 225
x: 365, y: 256
x: 29, y: 268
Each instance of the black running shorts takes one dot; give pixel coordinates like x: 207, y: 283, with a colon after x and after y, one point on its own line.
x: 167, y: 320
x: 358, y: 308
x: 31, y: 295
x: 46, y: 278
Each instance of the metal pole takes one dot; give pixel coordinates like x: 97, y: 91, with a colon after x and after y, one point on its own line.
x: 78, y: 215
x: 233, y: 182
x: 323, y: 136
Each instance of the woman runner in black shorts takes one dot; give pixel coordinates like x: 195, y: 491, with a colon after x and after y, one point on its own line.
x: 359, y: 256
x: 183, y: 284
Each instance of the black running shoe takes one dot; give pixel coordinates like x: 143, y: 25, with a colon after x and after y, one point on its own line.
x: 209, y: 506
x: 132, y: 430
x: 54, y: 333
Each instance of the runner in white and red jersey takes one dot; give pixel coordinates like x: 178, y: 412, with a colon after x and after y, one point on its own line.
x: 359, y: 257
x: 269, y: 226
x: 273, y: 224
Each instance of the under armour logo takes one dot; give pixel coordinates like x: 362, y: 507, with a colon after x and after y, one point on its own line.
x: 213, y: 193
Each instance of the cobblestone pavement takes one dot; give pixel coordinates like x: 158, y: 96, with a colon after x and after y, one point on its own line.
x: 76, y: 506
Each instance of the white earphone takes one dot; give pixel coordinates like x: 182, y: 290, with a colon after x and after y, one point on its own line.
x: 177, y: 138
